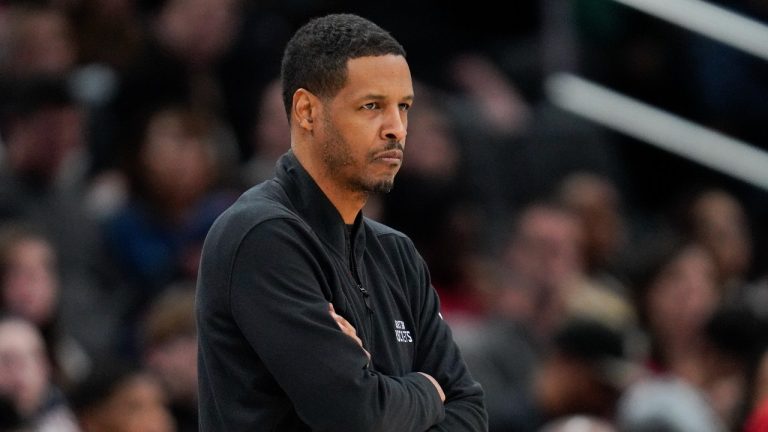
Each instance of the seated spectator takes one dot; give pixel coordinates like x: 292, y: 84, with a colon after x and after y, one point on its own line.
x: 596, y: 201
x: 546, y: 249
x: 30, y: 288
x: 677, y: 295
x: 118, y: 398
x: 40, y: 42
x: 156, y: 238
x: 717, y: 220
x: 43, y: 182
x: 586, y: 372
x: 25, y: 378
x: 170, y: 351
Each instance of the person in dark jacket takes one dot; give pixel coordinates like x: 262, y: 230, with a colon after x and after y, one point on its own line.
x: 310, y: 316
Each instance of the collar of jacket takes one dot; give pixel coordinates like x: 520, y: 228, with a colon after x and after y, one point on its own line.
x: 316, y: 209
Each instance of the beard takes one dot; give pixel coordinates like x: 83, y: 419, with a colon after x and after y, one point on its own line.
x: 338, y: 159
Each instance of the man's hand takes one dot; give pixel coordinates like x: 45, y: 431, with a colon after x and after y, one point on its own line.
x: 436, y: 384
x: 348, y: 330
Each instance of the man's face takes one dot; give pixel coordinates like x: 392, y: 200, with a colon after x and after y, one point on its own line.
x: 361, y: 135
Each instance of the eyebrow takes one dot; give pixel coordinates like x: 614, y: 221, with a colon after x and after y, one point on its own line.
x: 408, y: 98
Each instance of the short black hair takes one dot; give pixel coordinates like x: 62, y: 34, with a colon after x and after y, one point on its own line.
x: 107, y: 377
x: 316, y: 56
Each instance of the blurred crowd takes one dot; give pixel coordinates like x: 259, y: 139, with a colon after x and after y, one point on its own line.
x: 592, y: 282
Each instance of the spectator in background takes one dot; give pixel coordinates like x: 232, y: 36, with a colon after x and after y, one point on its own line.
x: 120, y: 398
x: 596, y: 201
x: 40, y: 43
x: 190, y: 57
x: 30, y: 288
x: 677, y: 293
x: 547, y: 249
x: 540, y: 285
x: 170, y: 351
x: 717, y: 220
x: 156, y: 238
x: 44, y: 135
x: 701, y: 356
x: 108, y: 33
x: 43, y: 183
x: 694, y: 376
x: 585, y: 373
x: 26, y: 380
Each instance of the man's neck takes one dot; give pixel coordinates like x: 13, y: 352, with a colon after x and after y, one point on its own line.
x: 347, y: 202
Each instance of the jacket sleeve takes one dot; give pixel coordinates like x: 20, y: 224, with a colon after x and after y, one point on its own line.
x: 438, y: 355
x: 277, y: 300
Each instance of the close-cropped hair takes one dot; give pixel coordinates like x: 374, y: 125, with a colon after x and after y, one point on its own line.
x: 316, y: 57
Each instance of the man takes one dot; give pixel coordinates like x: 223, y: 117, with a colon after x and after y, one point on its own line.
x: 310, y: 316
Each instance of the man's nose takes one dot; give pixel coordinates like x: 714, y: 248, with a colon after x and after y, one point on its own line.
x: 395, y: 125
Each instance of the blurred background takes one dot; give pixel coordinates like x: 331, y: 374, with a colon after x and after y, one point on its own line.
x: 585, y: 178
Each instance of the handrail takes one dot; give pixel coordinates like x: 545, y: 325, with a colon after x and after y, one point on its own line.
x: 712, y: 21
x: 660, y: 128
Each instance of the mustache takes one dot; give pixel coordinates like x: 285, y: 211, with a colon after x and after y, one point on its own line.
x: 394, y: 145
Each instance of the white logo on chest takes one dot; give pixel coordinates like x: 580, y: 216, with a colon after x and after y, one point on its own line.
x: 401, y: 334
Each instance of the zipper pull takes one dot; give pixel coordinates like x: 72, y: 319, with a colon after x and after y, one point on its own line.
x: 366, y: 297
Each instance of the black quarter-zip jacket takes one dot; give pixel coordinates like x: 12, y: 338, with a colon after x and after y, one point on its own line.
x: 271, y: 357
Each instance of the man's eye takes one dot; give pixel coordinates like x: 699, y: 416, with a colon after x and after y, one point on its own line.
x: 405, y: 107
x: 370, y: 106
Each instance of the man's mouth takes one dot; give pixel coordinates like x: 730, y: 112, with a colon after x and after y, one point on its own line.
x: 390, y: 156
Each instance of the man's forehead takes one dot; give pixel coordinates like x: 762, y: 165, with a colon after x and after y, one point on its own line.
x: 384, y: 77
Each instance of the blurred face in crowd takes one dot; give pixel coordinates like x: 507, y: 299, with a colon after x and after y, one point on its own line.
x: 721, y: 226
x: 41, y: 43
x: 547, y: 247
x: 30, y: 285
x: 175, y: 364
x: 137, y: 405
x: 40, y: 143
x: 200, y: 31
x: 177, y: 158
x: 683, y: 295
x: 596, y: 201
x: 24, y: 370
x: 360, y: 133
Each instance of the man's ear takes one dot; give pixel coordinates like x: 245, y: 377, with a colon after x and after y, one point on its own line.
x: 305, y: 109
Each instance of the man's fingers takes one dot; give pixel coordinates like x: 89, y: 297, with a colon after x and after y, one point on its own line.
x: 347, y: 328
x: 436, y: 384
x: 343, y: 323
